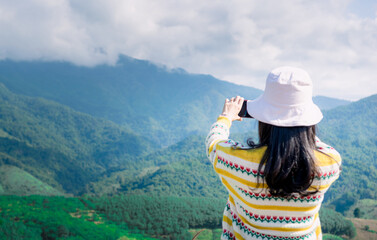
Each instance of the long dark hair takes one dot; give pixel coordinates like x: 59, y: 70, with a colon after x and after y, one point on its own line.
x: 289, y: 161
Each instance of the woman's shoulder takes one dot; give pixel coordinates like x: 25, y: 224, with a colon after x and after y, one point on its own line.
x: 326, y: 154
x: 240, y: 150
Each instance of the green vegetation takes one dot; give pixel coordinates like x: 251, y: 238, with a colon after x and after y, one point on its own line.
x: 331, y: 237
x: 181, y: 170
x: 335, y: 223
x: 367, y: 209
x: 39, y: 217
x: 162, y: 216
x: 357, y: 213
x: 207, y: 234
x: 366, y: 228
x: 126, y: 217
x: 372, y: 231
x: 351, y: 129
x: 40, y: 136
x: 15, y: 181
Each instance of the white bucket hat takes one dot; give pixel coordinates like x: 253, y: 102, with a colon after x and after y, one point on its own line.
x: 287, y: 100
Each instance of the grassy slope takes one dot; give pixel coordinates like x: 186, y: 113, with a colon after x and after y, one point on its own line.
x: 368, y: 209
x: 207, y: 234
x: 362, y: 234
x: 35, y: 217
x: 15, y: 181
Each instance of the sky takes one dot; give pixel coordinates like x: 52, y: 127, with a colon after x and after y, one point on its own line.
x: 239, y: 41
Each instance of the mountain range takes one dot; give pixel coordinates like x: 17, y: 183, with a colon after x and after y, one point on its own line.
x: 138, y: 128
x: 158, y: 103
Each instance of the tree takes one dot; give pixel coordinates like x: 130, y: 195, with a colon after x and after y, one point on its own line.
x: 357, y: 213
x: 63, y: 231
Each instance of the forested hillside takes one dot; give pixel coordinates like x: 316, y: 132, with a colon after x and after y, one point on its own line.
x: 179, y: 170
x: 62, y: 147
x: 352, y: 131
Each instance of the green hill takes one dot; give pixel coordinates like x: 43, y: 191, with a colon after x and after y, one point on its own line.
x: 61, y: 147
x: 179, y: 170
x: 355, y: 121
x: 14, y: 181
x: 351, y: 129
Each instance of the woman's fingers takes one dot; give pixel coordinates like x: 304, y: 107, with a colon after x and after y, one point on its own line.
x: 232, y: 107
x: 239, y: 99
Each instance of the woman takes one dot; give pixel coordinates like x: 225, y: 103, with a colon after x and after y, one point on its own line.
x: 275, y: 187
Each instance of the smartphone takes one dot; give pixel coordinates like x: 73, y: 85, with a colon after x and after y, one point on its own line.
x: 243, y: 113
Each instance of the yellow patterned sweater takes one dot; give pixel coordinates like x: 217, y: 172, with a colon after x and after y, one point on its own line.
x: 251, y: 212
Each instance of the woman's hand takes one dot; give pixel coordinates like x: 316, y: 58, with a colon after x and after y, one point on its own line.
x: 232, y: 107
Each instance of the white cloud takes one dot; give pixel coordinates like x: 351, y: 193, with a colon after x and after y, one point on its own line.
x: 238, y: 40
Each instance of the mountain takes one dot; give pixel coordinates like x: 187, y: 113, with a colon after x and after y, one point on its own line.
x: 160, y: 104
x: 326, y: 103
x: 355, y: 121
x: 62, y: 147
x: 352, y: 129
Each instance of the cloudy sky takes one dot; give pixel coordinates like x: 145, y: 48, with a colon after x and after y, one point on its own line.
x: 234, y: 40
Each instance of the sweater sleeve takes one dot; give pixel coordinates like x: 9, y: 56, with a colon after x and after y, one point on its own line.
x: 219, y: 131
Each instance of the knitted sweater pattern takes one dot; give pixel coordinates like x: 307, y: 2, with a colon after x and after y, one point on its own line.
x: 251, y: 211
